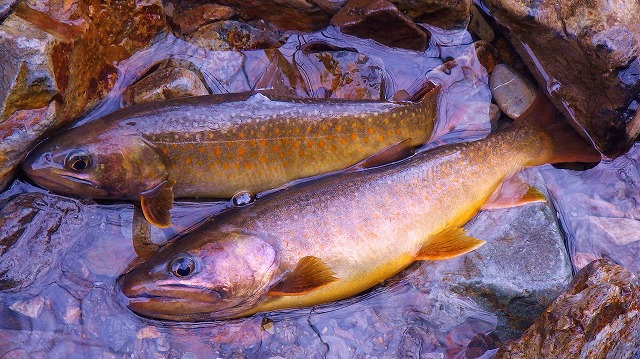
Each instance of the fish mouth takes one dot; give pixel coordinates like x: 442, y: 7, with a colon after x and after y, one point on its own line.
x: 66, y: 184
x: 80, y: 181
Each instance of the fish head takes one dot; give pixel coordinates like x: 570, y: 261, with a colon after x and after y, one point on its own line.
x: 117, y: 163
x: 214, y: 276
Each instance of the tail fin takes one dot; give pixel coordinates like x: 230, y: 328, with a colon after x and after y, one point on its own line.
x: 563, y: 142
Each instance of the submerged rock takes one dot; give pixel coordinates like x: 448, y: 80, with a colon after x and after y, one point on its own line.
x: 165, y: 83
x: 380, y: 21
x: 585, y: 56
x: 234, y: 35
x: 597, y: 317
x: 33, y: 239
x: 342, y: 74
x: 599, y: 210
x: 521, y: 269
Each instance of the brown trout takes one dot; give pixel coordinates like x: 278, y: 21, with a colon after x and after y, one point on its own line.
x: 340, y: 235
x: 218, y: 145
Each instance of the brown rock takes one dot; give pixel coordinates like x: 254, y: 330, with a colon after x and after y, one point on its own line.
x: 584, y: 55
x: 19, y: 133
x: 187, y: 22
x: 63, y: 50
x: 32, y: 68
x: 228, y: 35
x: 342, y: 74
x: 381, y: 21
x: 597, y: 317
x: 164, y: 84
x: 300, y: 15
x: 442, y: 13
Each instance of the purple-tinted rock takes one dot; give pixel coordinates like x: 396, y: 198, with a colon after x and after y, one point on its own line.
x: 165, y: 83
x: 442, y: 13
x: 187, y: 22
x: 234, y: 35
x: 584, y: 54
x: 597, y: 317
x: 381, y: 21
x: 342, y: 74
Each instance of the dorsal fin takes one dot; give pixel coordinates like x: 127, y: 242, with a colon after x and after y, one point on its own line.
x: 156, y: 204
x: 309, y: 274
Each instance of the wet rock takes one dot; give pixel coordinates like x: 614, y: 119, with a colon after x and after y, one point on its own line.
x: 32, y: 68
x: 19, y: 133
x: 521, y: 269
x: 270, y: 69
x: 513, y: 93
x: 63, y: 51
x: 30, y: 308
x: 597, y: 317
x: 288, y: 15
x: 164, y: 84
x: 597, y: 75
x: 187, y: 22
x: 479, y: 26
x: 5, y: 7
x: 234, y: 35
x: 33, y: 239
x: 381, y: 21
x: 446, y: 14
x: 342, y: 74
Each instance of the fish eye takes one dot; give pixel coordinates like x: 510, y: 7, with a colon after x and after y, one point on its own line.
x: 182, y: 266
x: 77, y: 161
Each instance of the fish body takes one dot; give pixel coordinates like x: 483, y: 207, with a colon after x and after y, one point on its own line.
x: 218, y: 145
x: 335, y: 237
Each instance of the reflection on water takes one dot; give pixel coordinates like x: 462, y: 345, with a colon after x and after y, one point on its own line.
x: 600, y: 211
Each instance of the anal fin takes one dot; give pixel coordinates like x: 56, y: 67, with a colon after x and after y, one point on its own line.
x: 513, y: 192
x: 156, y: 204
x: 310, y: 274
x: 449, y: 243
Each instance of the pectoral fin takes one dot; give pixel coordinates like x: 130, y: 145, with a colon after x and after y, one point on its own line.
x: 309, y: 274
x: 141, y: 235
x: 449, y: 243
x: 514, y: 192
x: 390, y: 154
x: 156, y: 204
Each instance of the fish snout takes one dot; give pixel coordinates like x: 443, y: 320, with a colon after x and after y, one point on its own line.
x: 131, y: 286
x: 37, y: 163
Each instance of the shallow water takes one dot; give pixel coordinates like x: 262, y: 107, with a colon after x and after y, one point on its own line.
x: 61, y: 256
x: 600, y: 210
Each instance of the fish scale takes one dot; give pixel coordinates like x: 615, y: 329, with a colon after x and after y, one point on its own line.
x: 340, y: 235
x: 216, y: 146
